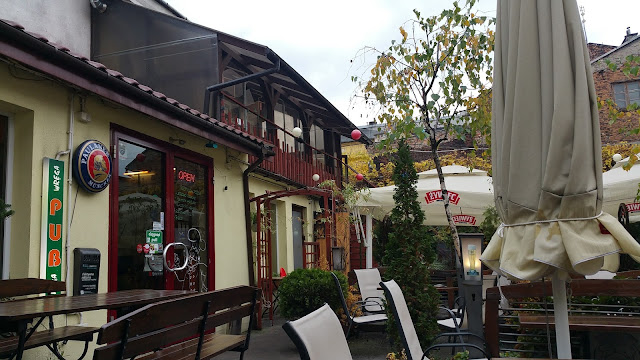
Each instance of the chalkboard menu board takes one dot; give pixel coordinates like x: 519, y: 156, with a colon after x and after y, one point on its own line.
x: 85, y: 271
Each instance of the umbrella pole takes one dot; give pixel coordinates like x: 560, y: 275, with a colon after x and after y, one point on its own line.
x: 561, y: 316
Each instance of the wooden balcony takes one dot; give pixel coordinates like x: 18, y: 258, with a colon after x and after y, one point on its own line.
x: 293, y: 160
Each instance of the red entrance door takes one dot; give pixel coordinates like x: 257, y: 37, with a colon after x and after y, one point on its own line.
x: 161, y: 215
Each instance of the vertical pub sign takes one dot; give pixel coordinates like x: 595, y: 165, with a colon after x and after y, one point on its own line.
x: 52, y: 211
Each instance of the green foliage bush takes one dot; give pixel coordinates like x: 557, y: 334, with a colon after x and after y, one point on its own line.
x: 410, y: 251
x: 305, y: 290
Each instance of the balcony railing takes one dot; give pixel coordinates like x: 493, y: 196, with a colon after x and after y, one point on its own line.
x: 297, y: 161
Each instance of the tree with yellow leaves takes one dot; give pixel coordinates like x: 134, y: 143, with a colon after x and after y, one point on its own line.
x: 428, y: 84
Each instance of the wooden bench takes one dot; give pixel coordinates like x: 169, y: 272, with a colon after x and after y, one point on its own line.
x: 180, y: 328
x: 516, y: 325
x: 20, y: 289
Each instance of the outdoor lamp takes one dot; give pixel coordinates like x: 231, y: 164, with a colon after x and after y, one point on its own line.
x: 337, y: 255
x: 616, y: 157
x: 296, y: 131
x: 471, y: 247
x: 471, y: 284
x: 315, y: 177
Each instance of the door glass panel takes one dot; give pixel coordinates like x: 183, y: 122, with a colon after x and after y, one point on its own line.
x: 190, y: 184
x: 141, y: 173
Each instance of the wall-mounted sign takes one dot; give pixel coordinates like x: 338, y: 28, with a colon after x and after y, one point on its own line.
x: 92, y: 166
x: 464, y: 219
x: 51, y: 233
x: 436, y: 195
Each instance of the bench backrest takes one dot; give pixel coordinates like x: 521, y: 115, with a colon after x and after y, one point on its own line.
x: 29, y: 286
x: 157, y: 325
x: 527, y: 296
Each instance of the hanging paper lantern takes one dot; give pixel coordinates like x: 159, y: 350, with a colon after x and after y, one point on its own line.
x: 359, y: 177
x: 356, y: 134
x: 315, y: 177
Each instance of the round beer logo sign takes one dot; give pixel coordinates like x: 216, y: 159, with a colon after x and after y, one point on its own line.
x: 92, y: 166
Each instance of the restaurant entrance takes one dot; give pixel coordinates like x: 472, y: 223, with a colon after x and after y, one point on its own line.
x: 161, y: 217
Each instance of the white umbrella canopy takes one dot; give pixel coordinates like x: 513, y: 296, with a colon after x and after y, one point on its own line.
x: 547, y: 154
x: 621, y: 186
x: 546, y: 147
x: 470, y: 193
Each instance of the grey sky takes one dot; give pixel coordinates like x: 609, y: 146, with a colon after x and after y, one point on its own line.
x: 320, y: 38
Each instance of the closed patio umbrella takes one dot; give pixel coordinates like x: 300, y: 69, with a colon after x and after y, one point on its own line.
x: 546, y: 150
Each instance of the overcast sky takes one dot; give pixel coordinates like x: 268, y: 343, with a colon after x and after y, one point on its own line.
x: 319, y: 38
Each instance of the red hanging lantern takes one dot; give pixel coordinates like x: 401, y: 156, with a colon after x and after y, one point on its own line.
x: 359, y: 177
x: 356, y: 134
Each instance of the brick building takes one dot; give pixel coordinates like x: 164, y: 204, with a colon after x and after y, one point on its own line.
x: 616, y: 86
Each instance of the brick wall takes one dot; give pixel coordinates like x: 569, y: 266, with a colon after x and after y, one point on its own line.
x: 604, y: 79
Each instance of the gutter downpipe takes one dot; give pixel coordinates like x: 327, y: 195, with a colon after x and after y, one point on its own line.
x: 247, y: 213
x: 67, y: 246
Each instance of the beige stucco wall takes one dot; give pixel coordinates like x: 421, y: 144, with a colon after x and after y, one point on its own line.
x: 39, y: 111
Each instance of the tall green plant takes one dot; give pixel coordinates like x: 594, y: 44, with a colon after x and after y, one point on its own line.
x: 410, y: 250
x: 433, y: 83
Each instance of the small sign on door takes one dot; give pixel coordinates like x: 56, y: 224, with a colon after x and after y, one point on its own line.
x: 154, y: 240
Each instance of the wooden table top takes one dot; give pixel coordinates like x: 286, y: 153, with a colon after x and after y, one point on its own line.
x: 38, y: 307
x: 585, y: 322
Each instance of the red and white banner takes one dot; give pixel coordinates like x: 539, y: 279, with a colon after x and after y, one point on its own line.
x: 633, y: 207
x: 436, y: 195
x: 464, y: 219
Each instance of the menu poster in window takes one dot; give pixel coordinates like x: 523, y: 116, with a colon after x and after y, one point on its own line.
x: 186, y: 198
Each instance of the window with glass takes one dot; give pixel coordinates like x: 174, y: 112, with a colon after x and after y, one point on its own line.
x: 162, y: 218
x: 626, y: 94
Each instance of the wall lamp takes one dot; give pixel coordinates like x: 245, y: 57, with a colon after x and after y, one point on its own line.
x: 211, y: 144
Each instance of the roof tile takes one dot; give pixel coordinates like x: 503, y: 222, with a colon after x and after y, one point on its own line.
x: 133, y: 82
x: 96, y: 65
x: 14, y: 24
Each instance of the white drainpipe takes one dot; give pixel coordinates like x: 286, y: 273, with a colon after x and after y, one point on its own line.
x: 67, y: 247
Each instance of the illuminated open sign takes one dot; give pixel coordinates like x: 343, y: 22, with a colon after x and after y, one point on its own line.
x: 186, y: 176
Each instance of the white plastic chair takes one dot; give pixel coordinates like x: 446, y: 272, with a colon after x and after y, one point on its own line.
x: 372, y: 321
x: 318, y: 336
x: 407, y: 331
x: 369, y: 286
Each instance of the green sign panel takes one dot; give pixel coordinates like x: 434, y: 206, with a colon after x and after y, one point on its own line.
x: 154, y: 239
x: 52, y: 215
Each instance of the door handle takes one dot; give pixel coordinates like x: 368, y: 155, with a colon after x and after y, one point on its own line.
x: 186, y: 259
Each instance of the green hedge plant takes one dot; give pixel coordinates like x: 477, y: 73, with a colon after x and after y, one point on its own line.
x: 305, y: 290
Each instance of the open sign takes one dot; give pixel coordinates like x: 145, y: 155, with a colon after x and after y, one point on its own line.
x: 186, y: 176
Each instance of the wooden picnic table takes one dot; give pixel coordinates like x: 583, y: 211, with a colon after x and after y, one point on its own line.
x: 21, y: 312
